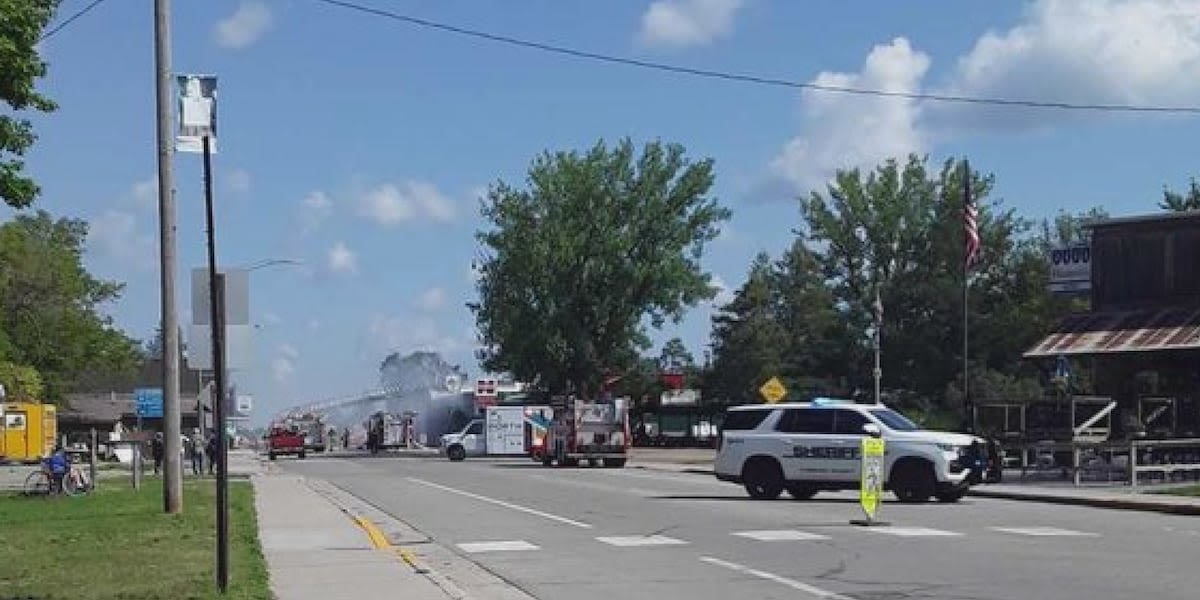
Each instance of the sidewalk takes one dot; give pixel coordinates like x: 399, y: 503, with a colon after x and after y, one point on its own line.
x: 315, y: 551
x: 1103, y: 497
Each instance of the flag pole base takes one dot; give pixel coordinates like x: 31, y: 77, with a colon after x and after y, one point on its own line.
x: 869, y: 523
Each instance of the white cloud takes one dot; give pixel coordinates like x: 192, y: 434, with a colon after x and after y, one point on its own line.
x: 115, y: 235
x: 314, y: 210
x: 342, y: 259
x: 408, y: 334
x: 282, y: 368
x: 842, y: 131
x: 725, y: 294
x: 145, y: 193
x: 1100, y: 51
x: 283, y: 365
x: 272, y: 318
x: 1095, y: 52
x: 391, y: 204
x: 241, y: 29
x: 433, y: 299
x: 682, y: 23
x: 238, y: 180
x: 314, y: 324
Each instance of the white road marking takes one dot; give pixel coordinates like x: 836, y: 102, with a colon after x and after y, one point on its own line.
x: 501, y: 546
x: 1044, y: 531
x: 626, y: 541
x: 508, y: 505
x: 781, y: 535
x: 792, y: 583
x: 913, y: 531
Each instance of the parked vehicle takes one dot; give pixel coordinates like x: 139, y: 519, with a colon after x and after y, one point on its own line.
x: 595, y: 431
x: 282, y: 440
x: 503, y: 431
x: 806, y: 447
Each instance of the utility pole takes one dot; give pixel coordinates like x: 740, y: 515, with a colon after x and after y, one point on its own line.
x: 172, y: 464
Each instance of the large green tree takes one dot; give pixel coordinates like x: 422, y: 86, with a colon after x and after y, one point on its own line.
x: 749, y: 343
x: 49, y: 306
x: 21, y: 25
x: 596, y: 246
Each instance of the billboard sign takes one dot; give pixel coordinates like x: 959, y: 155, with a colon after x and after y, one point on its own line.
x: 686, y: 397
x: 1071, y: 268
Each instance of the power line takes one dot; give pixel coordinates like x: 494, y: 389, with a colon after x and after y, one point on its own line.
x: 70, y: 19
x: 749, y: 78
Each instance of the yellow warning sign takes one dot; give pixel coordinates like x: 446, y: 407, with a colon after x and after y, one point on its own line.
x: 872, y: 476
x: 773, y: 391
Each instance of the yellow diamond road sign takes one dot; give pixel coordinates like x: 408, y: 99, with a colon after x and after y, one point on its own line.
x: 773, y: 390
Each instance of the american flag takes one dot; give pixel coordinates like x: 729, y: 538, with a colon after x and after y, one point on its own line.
x: 970, y: 221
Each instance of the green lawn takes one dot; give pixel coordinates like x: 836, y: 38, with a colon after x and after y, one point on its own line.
x: 1191, y: 490
x: 117, y: 543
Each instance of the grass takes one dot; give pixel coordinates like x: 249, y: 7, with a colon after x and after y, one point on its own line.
x: 1190, y: 490
x: 117, y: 543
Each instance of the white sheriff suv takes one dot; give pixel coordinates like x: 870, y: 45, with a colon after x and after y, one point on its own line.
x: 806, y: 447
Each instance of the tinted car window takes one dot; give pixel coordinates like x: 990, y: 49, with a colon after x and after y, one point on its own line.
x: 476, y: 428
x: 849, y: 422
x: 743, y: 420
x: 806, y: 420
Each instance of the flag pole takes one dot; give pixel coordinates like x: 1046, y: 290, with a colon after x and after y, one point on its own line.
x: 966, y: 264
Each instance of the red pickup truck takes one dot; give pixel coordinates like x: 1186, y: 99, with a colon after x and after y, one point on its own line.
x: 281, y: 440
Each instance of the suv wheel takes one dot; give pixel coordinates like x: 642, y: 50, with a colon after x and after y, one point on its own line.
x: 763, y: 479
x: 913, y: 481
x: 456, y: 453
x: 801, y: 491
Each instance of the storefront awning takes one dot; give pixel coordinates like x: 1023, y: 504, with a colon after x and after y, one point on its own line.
x: 1124, y: 331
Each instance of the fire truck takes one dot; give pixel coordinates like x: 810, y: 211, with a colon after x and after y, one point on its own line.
x: 581, y: 430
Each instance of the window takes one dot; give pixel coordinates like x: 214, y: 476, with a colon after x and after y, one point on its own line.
x: 475, y: 429
x: 744, y: 420
x: 806, y: 420
x: 893, y: 419
x: 849, y: 422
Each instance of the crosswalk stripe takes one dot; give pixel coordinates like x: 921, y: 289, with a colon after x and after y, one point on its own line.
x: 1044, y: 531
x: 913, y: 531
x: 780, y: 535
x: 627, y: 541
x: 497, y: 546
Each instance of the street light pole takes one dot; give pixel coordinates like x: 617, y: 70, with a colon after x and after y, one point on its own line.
x: 878, y: 310
x: 173, y: 465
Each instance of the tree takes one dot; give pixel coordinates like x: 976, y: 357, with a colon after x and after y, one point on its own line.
x: 675, y: 354
x: 874, y: 230
x: 574, y: 264
x: 1174, y: 201
x: 49, y: 305
x: 21, y: 25
x: 21, y: 383
x: 748, y: 340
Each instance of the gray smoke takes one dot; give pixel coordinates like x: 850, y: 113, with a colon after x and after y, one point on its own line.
x: 422, y: 383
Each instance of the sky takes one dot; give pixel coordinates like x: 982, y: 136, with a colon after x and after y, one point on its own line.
x: 359, y: 146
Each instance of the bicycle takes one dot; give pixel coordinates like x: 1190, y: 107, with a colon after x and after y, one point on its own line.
x: 75, y: 482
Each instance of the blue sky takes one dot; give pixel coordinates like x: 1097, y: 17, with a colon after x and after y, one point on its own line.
x: 358, y: 145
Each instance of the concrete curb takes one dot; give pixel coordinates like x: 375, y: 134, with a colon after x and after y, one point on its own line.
x: 1162, y: 506
x: 1159, y: 504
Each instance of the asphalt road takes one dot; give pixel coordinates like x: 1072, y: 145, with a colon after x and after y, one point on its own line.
x: 583, y: 534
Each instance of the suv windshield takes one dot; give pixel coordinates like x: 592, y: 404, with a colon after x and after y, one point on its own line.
x: 893, y: 419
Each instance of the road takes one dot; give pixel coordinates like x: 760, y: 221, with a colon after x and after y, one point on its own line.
x: 583, y: 534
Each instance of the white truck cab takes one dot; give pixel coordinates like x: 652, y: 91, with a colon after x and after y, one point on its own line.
x: 471, y: 441
x: 806, y: 447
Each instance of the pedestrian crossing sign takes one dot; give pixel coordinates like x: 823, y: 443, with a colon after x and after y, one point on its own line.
x: 872, y: 476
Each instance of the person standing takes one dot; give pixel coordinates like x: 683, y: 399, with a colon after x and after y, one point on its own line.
x: 157, y: 450
x: 196, y: 452
x: 210, y: 448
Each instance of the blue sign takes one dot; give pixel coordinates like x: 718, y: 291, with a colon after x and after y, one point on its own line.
x: 149, y: 402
